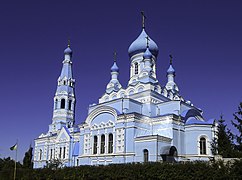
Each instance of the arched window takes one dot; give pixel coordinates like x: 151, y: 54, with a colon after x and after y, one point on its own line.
x: 69, y: 104
x: 63, y: 103
x: 95, y: 145
x: 102, y: 144
x: 40, y: 154
x: 136, y: 68
x: 110, y: 143
x: 146, y: 155
x: 203, y: 145
x: 60, y: 153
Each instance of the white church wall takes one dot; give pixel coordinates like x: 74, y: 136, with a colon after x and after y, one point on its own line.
x: 193, y: 133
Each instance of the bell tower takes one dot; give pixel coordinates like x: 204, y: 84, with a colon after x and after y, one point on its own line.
x: 64, y: 99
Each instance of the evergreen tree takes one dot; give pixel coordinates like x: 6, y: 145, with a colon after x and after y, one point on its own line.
x: 27, y: 161
x: 237, y: 123
x: 222, y: 144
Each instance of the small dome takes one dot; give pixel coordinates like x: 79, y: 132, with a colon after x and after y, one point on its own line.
x: 147, y: 54
x: 170, y: 70
x: 140, y: 45
x: 114, y: 68
x: 68, y: 50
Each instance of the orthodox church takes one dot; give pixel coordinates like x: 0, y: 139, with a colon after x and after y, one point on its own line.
x: 143, y: 122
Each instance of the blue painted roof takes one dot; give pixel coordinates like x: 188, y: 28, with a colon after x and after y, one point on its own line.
x: 193, y: 120
x: 140, y: 45
x: 147, y: 54
x: 170, y: 70
x: 68, y: 50
x: 114, y: 68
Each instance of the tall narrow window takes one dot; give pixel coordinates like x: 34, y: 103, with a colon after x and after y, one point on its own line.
x: 102, y: 144
x: 69, y: 105
x: 203, y: 145
x: 136, y: 68
x: 146, y: 155
x: 40, y: 154
x: 64, y: 152
x: 77, y: 162
x: 110, y: 143
x: 62, y: 103
x: 51, y: 153
x: 60, y: 153
x: 95, y: 145
x: 56, y: 102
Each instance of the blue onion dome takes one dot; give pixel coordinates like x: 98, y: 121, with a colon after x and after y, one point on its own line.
x: 68, y: 50
x: 139, y: 45
x: 114, y: 68
x: 147, y: 54
x: 170, y: 70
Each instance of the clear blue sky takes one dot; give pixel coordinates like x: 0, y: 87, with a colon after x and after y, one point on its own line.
x: 204, y: 37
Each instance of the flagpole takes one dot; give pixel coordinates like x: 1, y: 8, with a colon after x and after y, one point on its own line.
x: 15, y: 165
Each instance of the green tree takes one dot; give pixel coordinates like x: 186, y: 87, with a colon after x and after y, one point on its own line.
x: 27, y: 161
x: 237, y: 123
x: 222, y: 144
x: 54, y: 164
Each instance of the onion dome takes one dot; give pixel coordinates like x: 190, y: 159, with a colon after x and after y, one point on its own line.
x: 170, y: 70
x: 147, y: 54
x: 68, y: 50
x: 139, y: 45
x: 114, y: 68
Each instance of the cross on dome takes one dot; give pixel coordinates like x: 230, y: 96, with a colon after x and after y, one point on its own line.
x: 147, y: 41
x: 143, y: 19
x: 115, y: 56
x: 170, y: 59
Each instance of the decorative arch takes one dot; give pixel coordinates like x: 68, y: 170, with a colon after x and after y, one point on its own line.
x: 100, y: 110
x: 121, y: 94
x: 131, y: 91
x: 114, y: 96
x: 140, y: 88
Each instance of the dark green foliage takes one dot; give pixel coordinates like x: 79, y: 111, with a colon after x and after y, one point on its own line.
x: 7, y: 168
x: 237, y: 123
x: 53, y: 164
x: 188, y: 170
x: 223, y: 145
x: 27, y: 161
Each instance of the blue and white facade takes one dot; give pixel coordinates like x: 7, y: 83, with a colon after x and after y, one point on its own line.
x: 145, y: 121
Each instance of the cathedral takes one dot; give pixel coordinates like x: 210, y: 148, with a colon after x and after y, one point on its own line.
x: 141, y: 122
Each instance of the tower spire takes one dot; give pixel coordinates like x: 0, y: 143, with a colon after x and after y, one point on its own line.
x: 143, y: 19
x: 114, y: 84
x: 171, y: 85
x: 64, y: 99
